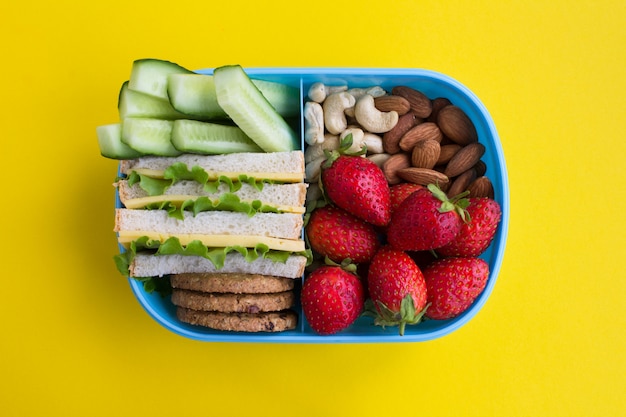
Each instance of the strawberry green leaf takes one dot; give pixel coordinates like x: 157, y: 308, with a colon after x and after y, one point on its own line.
x: 383, y: 316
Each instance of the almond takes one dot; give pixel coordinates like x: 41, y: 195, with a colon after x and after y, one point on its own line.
x: 447, y: 152
x: 437, y: 104
x: 425, y: 154
x: 456, y: 125
x: 481, y: 187
x: 462, y: 182
x: 393, y: 164
x: 422, y: 176
x: 391, y: 139
x: 481, y: 168
x: 420, y: 104
x: 464, y: 159
x: 392, y: 103
x: 422, y: 131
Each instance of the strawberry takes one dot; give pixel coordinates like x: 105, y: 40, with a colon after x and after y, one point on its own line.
x: 332, y: 299
x: 427, y: 220
x: 357, y: 185
x: 453, y: 284
x: 399, y: 192
x: 477, y: 233
x: 335, y: 233
x: 396, y: 288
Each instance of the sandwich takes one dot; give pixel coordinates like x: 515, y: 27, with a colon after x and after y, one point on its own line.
x: 216, y: 218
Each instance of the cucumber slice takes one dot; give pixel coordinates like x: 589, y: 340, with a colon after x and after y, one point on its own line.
x: 150, y: 76
x: 194, y: 94
x: 210, y: 138
x: 251, y: 111
x: 133, y: 103
x: 111, y: 145
x: 284, y: 98
x: 149, y: 136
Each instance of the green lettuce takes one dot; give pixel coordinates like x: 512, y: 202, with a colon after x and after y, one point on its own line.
x: 217, y: 256
x: 225, y: 202
x: 180, y: 172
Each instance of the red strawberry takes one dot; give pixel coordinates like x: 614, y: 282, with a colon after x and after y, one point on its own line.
x: 477, y: 233
x: 335, y: 233
x: 453, y: 285
x: 426, y: 220
x: 399, y: 192
x: 396, y: 288
x: 357, y: 185
x: 332, y: 299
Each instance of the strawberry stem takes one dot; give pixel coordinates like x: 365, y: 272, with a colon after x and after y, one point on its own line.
x: 458, y: 203
x: 384, y: 316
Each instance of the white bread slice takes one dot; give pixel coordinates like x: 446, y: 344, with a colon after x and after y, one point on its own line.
x: 285, y: 197
x: 145, y: 265
x: 280, y: 166
x: 282, y: 226
x: 281, y: 232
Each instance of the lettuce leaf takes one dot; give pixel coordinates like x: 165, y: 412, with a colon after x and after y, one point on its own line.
x: 152, y: 186
x: 225, y: 202
x: 217, y: 256
x: 180, y: 172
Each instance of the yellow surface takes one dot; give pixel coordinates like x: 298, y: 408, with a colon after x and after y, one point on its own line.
x: 549, y: 342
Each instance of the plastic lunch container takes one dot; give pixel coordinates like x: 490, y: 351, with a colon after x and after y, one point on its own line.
x: 432, y: 84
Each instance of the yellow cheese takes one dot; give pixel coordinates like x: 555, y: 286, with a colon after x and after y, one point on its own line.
x: 140, y: 202
x: 288, y: 177
x: 216, y: 241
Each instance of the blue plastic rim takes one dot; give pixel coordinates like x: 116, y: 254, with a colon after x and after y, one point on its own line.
x: 434, y: 85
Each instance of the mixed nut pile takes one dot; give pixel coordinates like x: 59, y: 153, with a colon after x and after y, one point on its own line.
x: 411, y: 137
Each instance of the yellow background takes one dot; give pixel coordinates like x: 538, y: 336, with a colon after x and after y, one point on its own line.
x: 549, y: 342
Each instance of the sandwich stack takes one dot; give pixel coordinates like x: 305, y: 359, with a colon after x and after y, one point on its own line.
x: 226, y: 229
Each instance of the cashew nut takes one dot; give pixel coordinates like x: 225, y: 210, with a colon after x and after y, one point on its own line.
x: 357, y: 138
x: 373, y: 142
x: 313, y: 169
x: 379, y: 158
x: 334, y: 107
x: 357, y: 93
x: 313, y: 122
x: 375, y: 91
x: 319, y: 91
x: 372, y: 119
x: 313, y: 152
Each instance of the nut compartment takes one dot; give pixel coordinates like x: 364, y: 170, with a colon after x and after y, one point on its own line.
x: 433, y: 85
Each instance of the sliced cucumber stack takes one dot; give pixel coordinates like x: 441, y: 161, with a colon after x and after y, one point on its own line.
x: 210, y: 138
x: 166, y: 109
x: 111, y: 145
x: 250, y: 110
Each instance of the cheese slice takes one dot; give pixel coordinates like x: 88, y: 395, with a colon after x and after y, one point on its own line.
x: 287, y: 177
x: 177, y: 200
x: 215, y: 241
